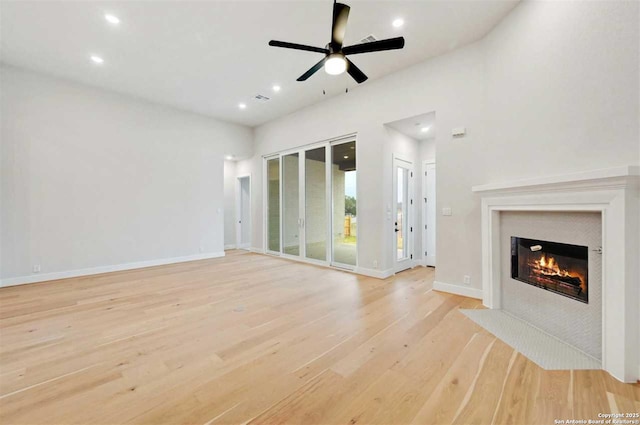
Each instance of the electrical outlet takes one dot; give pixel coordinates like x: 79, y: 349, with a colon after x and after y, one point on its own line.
x: 375, y: 264
x: 36, y: 268
x: 467, y: 280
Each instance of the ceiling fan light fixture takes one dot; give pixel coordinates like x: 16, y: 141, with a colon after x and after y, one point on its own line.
x: 335, y: 65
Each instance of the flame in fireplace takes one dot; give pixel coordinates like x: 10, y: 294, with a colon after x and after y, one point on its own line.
x: 551, y: 267
x: 548, y: 266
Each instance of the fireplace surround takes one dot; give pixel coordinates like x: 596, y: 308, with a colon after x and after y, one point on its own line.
x: 615, y: 194
x: 559, y: 235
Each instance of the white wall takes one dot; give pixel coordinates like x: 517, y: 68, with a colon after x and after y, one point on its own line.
x: 427, y: 150
x: 553, y: 89
x: 562, y: 89
x: 230, y: 182
x: 91, y: 178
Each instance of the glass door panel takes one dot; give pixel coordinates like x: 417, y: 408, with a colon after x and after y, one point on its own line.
x: 402, y: 210
x: 344, y: 225
x: 290, y: 205
x: 315, y: 188
x: 273, y: 205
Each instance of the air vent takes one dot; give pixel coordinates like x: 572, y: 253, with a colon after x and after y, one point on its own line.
x: 261, y: 98
x: 368, y: 39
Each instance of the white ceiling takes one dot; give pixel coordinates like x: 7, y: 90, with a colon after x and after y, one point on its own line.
x: 412, y: 127
x: 207, y: 57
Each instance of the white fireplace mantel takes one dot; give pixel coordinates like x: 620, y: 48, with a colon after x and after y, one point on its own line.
x: 615, y: 193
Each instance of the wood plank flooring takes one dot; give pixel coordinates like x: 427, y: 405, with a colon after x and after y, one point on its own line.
x: 255, y: 339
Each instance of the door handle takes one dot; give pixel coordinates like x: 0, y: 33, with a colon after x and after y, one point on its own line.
x: 396, y: 229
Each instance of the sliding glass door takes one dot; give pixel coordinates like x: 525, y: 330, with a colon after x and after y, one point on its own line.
x: 343, y: 191
x: 315, y: 188
x: 311, y: 204
x: 273, y: 204
x: 291, y: 204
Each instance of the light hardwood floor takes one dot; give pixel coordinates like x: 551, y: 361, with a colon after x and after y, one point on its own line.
x: 251, y: 338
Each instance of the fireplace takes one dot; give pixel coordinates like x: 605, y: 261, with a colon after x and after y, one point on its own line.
x: 557, y: 267
x: 613, y: 273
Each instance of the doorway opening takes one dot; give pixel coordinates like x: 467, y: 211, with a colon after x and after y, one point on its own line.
x: 413, y: 144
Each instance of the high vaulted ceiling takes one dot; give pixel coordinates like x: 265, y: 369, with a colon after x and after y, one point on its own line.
x: 207, y: 57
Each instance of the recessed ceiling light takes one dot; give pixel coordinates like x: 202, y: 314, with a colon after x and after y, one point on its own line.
x: 112, y: 19
x: 398, y: 22
x: 228, y: 157
x: 276, y: 88
x: 242, y: 105
x: 97, y: 59
x: 425, y: 129
x: 346, y: 157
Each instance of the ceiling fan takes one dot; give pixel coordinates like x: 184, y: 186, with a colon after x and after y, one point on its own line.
x: 335, y: 61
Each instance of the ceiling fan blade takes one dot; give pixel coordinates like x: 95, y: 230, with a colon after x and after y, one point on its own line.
x: 375, y: 46
x: 313, y: 69
x: 355, y: 72
x: 339, y: 26
x: 295, y: 46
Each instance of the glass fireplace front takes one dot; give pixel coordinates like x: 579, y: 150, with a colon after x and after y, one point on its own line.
x: 557, y: 267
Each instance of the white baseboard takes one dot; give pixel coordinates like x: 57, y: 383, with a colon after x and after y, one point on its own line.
x: 256, y: 250
x: 458, y: 290
x: 379, y: 274
x: 232, y: 246
x: 22, y: 280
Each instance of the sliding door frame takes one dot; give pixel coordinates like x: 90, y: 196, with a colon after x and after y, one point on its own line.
x: 265, y: 202
x: 300, y: 170
x: 330, y: 256
x: 329, y: 201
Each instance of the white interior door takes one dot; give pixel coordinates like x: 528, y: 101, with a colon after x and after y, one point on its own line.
x: 429, y: 213
x: 402, y: 211
x: 244, y: 212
